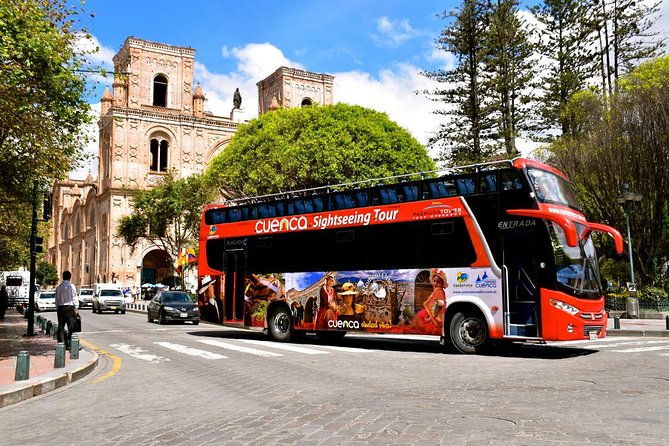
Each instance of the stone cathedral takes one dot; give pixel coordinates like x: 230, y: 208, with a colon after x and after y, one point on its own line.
x: 154, y: 120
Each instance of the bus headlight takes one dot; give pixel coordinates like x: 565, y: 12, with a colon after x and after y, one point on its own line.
x: 563, y: 306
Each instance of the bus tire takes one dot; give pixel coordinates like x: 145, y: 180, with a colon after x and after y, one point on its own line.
x: 468, y: 332
x: 280, y: 325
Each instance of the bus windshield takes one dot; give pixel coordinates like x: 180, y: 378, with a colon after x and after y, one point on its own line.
x: 576, y: 267
x: 551, y: 188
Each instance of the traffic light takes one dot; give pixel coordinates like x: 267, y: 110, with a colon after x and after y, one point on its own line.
x: 38, y: 244
x: 48, y: 205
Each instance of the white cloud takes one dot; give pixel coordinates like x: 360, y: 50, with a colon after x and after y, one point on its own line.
x: 391, y: 91
x: 393, y: 33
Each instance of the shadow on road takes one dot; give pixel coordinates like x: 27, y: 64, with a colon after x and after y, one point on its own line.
x: 407, y: 344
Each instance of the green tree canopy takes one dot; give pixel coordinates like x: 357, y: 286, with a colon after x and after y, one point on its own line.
x: 298, y: 148
x: 168, y: 214
x: 42, y: 108
x: 625, y: 140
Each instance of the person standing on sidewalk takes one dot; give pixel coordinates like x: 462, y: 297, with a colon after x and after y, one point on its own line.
x: 67, y: 307
x: 4, y: 297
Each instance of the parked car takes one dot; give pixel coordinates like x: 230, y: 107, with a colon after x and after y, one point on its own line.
x: 173, y: 306
x: 46, y: 300
x: 85, y: 297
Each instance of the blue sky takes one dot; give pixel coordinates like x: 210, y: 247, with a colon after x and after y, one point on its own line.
x: 376, y: 49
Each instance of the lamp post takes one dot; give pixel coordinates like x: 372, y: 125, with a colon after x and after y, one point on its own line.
x: 626, y: 199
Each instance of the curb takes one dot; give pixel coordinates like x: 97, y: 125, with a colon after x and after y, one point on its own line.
x: 23, y: 390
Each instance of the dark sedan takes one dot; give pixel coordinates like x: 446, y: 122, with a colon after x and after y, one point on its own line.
x: 170, y: 306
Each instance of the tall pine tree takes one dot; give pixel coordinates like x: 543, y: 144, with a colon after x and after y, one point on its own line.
x: 467, y: 135
x: 568, y: 50
x: 508, y: 59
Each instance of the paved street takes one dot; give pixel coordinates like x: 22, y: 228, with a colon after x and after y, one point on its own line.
x: 184, y: 384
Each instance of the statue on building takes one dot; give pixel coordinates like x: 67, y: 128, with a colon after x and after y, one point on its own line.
x: 237, y: 99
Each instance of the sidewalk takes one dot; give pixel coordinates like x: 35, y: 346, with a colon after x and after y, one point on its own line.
x: 44, y: 377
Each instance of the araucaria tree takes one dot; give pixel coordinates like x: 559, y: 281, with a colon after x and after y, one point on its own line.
x: 509, y: 60
x: 469, y: 130
x: 298, y: 148
x: 567, y: 47
x: 42, y: 109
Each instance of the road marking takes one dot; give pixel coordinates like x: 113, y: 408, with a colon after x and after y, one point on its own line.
x: 116, y: 365
x: 344, y: 349
x: 191, y: 351
x: 289, y: 347
x: 642, y: 349
x: 139, y: 353
x: 622, y: 344
x: 237, y: 348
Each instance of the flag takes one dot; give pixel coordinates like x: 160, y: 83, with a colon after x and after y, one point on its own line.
x: 186, y: 257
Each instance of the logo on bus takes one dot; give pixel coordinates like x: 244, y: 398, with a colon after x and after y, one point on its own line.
x: 349, y: 325
x: 485, y: 282
x: 462, y: 277
x: 281, y: 224
x: 212, y: 230
x: 437, y: 210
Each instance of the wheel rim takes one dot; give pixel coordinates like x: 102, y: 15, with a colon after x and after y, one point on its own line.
x: 282, y: 323
x: 472, y: 331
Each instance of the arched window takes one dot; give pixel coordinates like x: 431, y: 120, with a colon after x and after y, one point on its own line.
x: 158, y: 155
x: 307, y: 102
x: 160, y: 91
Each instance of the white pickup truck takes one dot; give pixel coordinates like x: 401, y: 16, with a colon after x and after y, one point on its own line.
x: 109, y: 297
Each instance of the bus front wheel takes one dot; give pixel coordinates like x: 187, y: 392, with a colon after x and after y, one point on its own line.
x: 468, y: 332
x: 281, y: 325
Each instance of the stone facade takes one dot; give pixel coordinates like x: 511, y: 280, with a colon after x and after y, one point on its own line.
x: 154, y: 121
x: 290, y: 87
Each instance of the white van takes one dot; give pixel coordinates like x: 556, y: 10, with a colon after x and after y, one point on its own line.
x: 85, y: 297
x: 108, y: 296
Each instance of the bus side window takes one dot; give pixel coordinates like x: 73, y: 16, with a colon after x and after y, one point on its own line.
x: 234, y: 214
x: 488, y: 183
x: 411, y: 192
x: 279, y: 209
x: 362, y: 198
x: 510, y: 181
x: 388, y: 195
x: 254, y: 212
x: 308, y: 205
x: 265, y: 242
x: 465, y: 186
x: 289, y: 208
x: 318, y: 204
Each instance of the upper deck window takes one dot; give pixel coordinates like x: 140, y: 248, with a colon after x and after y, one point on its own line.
x: 551, y: 188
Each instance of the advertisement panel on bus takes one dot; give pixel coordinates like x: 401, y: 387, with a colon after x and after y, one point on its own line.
x: 392, y: 301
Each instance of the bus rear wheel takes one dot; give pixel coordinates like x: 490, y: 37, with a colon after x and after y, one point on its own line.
x: 468, y: 332
x: 281, y: 325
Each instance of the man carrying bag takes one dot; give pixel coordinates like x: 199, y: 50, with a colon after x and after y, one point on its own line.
x: 67, y: 308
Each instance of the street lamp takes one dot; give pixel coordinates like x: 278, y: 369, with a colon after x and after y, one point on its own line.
x: 626, y: 199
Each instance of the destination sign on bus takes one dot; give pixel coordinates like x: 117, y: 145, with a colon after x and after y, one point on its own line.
x: 344, y: 218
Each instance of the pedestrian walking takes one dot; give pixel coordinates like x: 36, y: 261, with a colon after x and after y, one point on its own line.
x: 67, y: 308
x: 4, y: 297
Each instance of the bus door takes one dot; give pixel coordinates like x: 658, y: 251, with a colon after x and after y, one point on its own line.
x: 521, y: 290
x: 235, y: 270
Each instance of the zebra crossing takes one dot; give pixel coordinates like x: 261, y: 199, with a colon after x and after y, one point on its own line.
x: 622, y: 345
x: 220, y: 349
x: 212, y: 349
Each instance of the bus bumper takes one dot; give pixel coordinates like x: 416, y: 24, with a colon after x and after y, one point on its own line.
x: 565, y: 318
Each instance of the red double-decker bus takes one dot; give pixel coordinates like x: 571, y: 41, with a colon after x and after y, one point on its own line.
x: 491, y: 251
